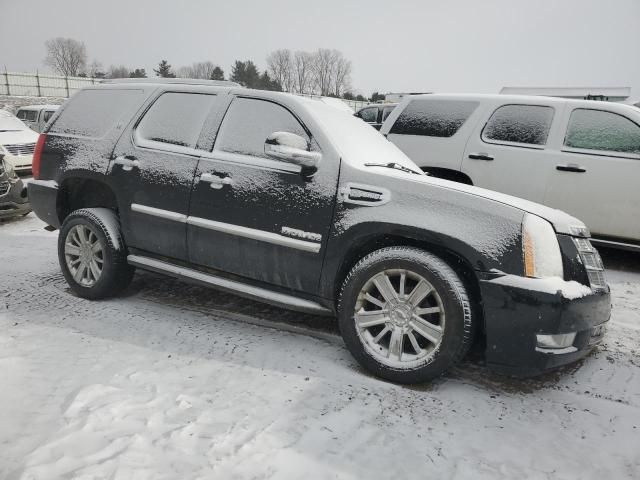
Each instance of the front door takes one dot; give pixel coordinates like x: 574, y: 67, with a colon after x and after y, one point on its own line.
x: 257, y: 217
x: 596, y: 172
x: 508, y: 152
x: 152, y: 169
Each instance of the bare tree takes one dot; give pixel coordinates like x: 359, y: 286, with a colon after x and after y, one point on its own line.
x: 303, y: 71
x: 341, y: 73
x: 202, y: 70
x: 280, y: 67
x: 118, y: 72
x: 323, y: 68
x: 66, y: 56
x: 95, y: 70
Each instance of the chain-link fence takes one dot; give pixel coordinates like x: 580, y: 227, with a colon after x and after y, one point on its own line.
x: 37, y: 85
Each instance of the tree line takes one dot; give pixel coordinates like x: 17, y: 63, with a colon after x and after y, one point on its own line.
x: 325, y: 72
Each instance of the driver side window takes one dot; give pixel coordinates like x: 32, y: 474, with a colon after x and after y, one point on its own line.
x: 250, y: 121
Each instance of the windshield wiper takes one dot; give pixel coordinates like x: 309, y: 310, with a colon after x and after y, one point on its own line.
x: 394, y: 165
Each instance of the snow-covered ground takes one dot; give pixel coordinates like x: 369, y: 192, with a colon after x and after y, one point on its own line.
x: 174, y: 381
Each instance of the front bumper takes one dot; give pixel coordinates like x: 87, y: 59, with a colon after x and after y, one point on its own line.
x: 22, y: 164
x: 15, y: 201
x: 519, y: 314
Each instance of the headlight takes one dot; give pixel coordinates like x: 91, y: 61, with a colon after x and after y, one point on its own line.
x: 541, y: 251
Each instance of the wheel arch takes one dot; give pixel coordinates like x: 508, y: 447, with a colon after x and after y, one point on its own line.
x: 77, y: 192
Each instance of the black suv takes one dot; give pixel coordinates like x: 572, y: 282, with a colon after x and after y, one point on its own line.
x: 290, y: 201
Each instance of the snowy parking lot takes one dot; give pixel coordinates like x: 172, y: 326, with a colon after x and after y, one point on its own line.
x: 174, y: 381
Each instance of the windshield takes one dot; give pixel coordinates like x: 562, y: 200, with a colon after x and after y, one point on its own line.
x: 357, y: 142
x: 11, y: 124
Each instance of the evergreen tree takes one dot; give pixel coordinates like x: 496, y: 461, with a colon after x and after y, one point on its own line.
x: 164, y: 70
x: 246, y: 74
x: 348, y: 96
x: 267, y: 83
x: 138, y: 73
x: 217, y: 74
x: 377, y: 97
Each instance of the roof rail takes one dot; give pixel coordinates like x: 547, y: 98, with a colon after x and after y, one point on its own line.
x: 184, y: 81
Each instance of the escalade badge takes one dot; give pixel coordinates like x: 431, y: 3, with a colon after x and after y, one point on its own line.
x: 293, y: 232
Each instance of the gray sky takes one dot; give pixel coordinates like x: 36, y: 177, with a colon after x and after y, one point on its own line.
x: 456, y: 45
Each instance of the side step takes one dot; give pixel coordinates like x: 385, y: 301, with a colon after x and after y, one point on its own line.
x: 232, y: 286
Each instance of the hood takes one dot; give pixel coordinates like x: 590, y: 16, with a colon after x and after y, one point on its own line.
x: 562, y: 222
x: 20, y: 136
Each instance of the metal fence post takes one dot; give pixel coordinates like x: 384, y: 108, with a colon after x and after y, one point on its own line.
x: 66, y: 81
x: 38, y: 83
x: 6, y: 81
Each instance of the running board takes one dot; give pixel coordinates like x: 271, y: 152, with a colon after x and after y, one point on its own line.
x: 231, y: 286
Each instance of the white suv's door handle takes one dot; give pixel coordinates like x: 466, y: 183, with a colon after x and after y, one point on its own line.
x: 127, y: 164
x: 215, y: 181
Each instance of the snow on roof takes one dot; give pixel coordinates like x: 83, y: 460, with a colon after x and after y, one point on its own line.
x: 623, y: 92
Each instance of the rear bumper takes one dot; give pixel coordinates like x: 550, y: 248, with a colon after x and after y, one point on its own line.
x: 517, y: 317
x: 43, y: 196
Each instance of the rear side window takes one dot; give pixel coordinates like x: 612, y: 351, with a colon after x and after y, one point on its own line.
x: 599, y: 130
x: 92, y: 113
x: 526, y: 124
x: 250, y: 121
x: 176, y: 118
x: 386, y: 112
x: 433, y: 118
x: 47, y: 115
x: 369, y: 115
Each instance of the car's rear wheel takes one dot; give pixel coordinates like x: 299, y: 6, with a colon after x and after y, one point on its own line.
x: 405, y: 315
x: 92, y: 253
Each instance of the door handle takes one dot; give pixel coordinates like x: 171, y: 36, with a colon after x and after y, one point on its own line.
x: 127, y: 163
x: 216, y: 181
x: 480, y: 156
x: 572, y: 167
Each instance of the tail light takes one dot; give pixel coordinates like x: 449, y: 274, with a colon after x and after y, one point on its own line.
x: 37, y: 156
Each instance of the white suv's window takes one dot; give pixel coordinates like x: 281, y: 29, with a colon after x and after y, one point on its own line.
x: 28, y: 115
x: 524, y: 124
x: 600, y: 130
x: 369, y: 115
x: 433, y: 118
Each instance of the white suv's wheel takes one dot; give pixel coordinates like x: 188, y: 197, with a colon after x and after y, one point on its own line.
x: 92, y: 253
x: 405, y: 315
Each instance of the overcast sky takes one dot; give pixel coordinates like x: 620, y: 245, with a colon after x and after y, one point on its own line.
x: 456, y: 45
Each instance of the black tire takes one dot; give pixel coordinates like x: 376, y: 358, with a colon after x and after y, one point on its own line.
x: 456, y: 334
x: 116, y: 273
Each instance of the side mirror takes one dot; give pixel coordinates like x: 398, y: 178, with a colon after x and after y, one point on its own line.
x: 292, y: 148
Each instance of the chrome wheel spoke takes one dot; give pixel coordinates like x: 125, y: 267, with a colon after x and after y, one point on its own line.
x: 71, y: 249
x: 419, y: 293
x: 374, y: 300
x: 403, y: 284
x: 431, y: 332
x: 79, y: 273
x: 383, y: 284
x: 396, y: 343
x: 382, y: 333
x: 368, y: 319
x: 414, y: 343
x: 427, y: 310
x: 95, y: 270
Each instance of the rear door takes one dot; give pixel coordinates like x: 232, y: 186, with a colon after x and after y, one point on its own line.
x: 152, y: 169
x: 596, y: 171
x: 508, y: 151
x: 255, y: 216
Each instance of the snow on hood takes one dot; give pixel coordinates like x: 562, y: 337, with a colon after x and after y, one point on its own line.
x: 21, y: 136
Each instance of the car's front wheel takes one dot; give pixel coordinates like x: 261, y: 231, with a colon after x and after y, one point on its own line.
x: 405, y: 314
x: 92, y: 253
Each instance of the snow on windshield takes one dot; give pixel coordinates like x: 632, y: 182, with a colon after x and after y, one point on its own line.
x: 357, y: 142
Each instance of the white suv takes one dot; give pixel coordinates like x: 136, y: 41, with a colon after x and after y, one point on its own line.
x: 36, y: 116
x: 575, y: 155
x: 17, y: 142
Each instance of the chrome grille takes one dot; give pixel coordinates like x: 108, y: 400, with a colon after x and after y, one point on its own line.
x: 21, y: 148
x: 4, y: 187
x: 592, y: 263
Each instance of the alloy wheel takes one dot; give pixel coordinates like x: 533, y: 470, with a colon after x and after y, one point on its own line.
x: 84, y: 255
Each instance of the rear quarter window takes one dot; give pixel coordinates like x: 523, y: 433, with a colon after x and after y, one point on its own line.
x: 28, y: 115
x: 433, y: 118
x: 93, y: 113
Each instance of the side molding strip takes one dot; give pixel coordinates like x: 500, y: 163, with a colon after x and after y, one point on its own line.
x: 157, y: 212
x: 232, y: 286
x: 229, y: 228
x: 255, y: 234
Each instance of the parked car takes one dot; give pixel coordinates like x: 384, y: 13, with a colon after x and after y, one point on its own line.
x: 375, y: 115
x: 13, y: 193
x: 36, y: 116
x: 288, y: 201
x: 17, y: 142
x: 580, y: 156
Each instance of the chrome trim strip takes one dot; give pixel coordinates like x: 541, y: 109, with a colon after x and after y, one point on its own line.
x: 249, y: 291
x: 158, y: 212
x: 610, y: 243
x: 254, y: 234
